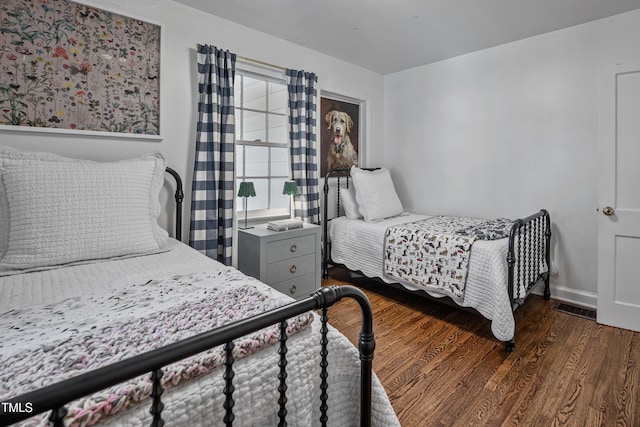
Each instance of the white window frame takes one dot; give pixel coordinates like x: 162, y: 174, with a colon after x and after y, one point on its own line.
x: 269, y: 213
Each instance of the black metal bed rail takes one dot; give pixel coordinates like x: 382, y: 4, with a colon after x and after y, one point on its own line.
x: 54, y: 397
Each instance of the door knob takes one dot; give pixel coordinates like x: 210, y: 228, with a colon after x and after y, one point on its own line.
x: 608, y: 211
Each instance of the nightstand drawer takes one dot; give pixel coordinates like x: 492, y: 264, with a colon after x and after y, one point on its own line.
x: 290, y: 268
x: 294, y: 247
x: 299, y: 287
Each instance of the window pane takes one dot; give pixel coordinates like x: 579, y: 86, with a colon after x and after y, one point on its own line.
x: 239, y: 160
x: 279, y: 200
x: 239, y: 200
x: 277, y: 128
x: 256, y: 161
x: 255, y: 94
x: 254, y: 126
x: 237, y: 91
x: 280, y: 162
x: 277, y: 98
x: 261, y: 201
x: 238, y: 124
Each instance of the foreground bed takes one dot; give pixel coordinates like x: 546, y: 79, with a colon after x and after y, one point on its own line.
x: 499, y: 272
x: 201, y: 362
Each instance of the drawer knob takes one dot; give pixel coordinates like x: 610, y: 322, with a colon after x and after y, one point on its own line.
x: 293, y: 289
x: 293, y: 248
x: 293, y: 268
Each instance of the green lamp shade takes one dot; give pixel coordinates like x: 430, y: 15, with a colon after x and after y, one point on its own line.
x: 290, y: 188
x: 246, y: 189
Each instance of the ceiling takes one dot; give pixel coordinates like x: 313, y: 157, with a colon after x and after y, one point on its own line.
x: 386, y: 36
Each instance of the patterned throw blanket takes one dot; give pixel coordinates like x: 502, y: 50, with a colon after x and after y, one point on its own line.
x: 433, y: 254
x: 188, y: 305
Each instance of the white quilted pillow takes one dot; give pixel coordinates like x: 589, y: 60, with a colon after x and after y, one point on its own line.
x: 349, y: 204
x: 9, y: 152
x: 375, y: 194
x: 63, y: 211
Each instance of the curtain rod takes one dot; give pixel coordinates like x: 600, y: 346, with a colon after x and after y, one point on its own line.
x: 256, y: 61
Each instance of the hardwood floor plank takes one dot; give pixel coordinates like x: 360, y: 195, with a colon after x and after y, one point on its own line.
x: 560, y: 369
x: 515, y: 378
x: 616, y: 356
x: 632, y: 382
x: 565, y: 380
x: 442, y: 366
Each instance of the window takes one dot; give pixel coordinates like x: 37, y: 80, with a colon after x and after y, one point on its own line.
x: 262, y: 149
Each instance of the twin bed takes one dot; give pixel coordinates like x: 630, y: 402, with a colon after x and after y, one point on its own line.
x: 487, y: 266
x: 89, y: 282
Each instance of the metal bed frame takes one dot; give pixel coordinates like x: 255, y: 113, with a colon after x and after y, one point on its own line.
x: 54, y: 397
x: 529, y: 245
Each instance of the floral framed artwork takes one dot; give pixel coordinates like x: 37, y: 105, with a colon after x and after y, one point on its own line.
x: 71, y: 67
x: 340, y: 122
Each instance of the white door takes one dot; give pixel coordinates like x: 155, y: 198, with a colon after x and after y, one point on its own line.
x: 619, y: 198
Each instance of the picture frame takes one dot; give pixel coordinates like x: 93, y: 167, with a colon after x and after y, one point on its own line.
x: 342, y: 131
x: 72, y: 67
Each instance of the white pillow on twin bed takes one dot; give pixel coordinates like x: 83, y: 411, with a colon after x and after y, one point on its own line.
x: 63, y: 211
x: 349, y: 204
x: 8, y: 152
x: 375, y: 194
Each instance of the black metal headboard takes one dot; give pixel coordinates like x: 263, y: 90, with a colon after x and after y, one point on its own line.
x: 333, y: 173
x: 179, y: 197
x: 337, y: 173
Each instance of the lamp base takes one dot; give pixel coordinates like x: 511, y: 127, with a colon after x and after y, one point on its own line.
x: 245, y: 217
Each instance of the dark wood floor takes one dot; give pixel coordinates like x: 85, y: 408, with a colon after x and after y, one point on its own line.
x: 441, y: 366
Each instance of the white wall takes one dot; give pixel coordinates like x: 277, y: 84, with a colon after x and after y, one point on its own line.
x: 183, y: 28
x: 509, y: 130
x: 504, y: 131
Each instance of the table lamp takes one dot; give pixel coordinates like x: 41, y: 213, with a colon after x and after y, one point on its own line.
x: 291, y: 189
x: 246, y: 190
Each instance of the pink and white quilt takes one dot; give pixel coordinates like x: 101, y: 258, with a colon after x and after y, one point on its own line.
x: 68, y: 338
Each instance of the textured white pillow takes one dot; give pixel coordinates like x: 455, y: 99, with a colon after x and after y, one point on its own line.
x: 64, y: 210
x: 5, y: 153
x: 375, y: 194
x: 349, y: 204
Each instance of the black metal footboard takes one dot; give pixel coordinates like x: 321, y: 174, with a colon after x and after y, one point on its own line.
x: 54, y: 397
x: 529, y: 258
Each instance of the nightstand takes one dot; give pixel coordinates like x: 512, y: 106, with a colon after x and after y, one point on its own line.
x: 288, y: 261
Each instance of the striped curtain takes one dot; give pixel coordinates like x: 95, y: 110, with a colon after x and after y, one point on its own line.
x: 212, y: 194
x: 302, y: 135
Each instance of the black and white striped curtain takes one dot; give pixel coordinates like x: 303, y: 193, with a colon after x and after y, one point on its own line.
x: 212, y: 202
x: 302, y: 135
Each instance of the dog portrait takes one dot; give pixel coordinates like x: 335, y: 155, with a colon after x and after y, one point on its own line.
x: 340, y: 135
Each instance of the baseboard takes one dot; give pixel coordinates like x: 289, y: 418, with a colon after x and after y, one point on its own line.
x: 561, y: 293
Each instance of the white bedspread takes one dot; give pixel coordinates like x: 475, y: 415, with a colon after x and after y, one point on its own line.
x: 359, y: 245
x: 199, y: 401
